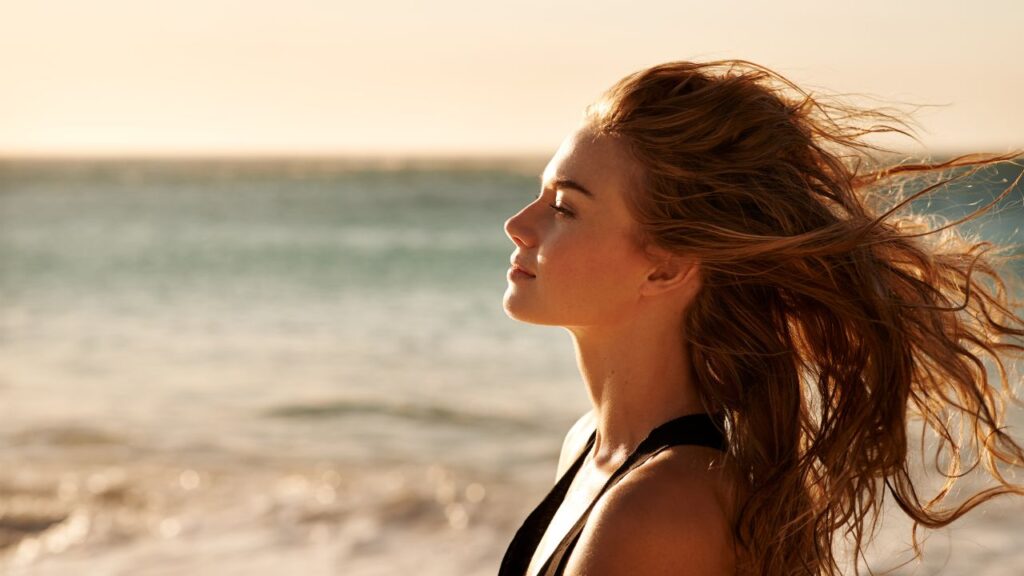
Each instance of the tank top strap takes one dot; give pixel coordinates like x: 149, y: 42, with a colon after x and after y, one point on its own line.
x: 692, y: 429
x: 517, y: 558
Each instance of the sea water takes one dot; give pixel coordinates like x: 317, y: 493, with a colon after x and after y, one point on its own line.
x: 296, y: 366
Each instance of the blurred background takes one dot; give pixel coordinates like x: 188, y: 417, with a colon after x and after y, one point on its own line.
x: 252, y: 262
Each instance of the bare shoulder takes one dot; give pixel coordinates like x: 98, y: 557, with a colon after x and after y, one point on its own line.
x: 669, y: 516
x: 574, y: 441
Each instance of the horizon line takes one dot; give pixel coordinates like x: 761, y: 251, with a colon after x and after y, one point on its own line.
x: 7, y: 155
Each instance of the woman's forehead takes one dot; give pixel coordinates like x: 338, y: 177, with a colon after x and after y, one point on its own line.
x: 598, y: 162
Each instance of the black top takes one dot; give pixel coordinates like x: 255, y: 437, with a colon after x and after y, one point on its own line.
x: 698, y: 429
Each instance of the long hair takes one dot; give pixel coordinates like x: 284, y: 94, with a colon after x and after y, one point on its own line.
x: 830, y: 314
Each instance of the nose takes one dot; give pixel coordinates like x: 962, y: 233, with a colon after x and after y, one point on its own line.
x: 518, y: 229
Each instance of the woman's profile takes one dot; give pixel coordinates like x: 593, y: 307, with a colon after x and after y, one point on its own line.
x: 758, y: 319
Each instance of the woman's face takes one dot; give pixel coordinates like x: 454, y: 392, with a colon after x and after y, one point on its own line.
x: 587, y: 267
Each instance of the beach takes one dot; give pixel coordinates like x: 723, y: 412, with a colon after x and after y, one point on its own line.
x: 221, y: 367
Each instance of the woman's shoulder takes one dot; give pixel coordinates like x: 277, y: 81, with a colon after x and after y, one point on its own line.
x: 672, y: 515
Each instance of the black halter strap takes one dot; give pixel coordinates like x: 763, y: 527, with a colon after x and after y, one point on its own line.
x: 692, y: 429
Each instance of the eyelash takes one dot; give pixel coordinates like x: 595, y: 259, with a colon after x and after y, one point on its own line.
x: 559, y: 209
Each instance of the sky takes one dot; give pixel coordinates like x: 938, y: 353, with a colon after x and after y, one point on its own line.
x: 466, y: 77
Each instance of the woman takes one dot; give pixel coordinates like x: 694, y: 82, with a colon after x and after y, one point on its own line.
x: 755, y: 327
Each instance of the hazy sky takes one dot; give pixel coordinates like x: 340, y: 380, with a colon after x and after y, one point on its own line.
x: 464, y: 76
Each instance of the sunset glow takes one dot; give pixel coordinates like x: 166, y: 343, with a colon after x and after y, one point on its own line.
x: 458, y: 77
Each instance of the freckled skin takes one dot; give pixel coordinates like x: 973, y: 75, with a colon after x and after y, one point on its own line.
x: 587, y: 266
x: 623, y: 308
x: 623, y: 305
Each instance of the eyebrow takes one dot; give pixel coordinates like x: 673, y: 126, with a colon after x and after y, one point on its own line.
x: 569, y: 184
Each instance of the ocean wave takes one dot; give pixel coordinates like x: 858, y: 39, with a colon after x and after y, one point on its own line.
x: 408, y: 411
x: 66, y: 435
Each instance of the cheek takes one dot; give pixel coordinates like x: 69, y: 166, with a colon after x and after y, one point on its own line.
x: 592, y: 274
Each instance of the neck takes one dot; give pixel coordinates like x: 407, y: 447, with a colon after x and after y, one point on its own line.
x: 638, y: 376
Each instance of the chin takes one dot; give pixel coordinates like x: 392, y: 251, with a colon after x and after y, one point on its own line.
x: 527, y: 316
x: 511, y: 307
x: 517, y: 309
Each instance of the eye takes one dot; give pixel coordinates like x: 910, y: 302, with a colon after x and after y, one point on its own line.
x: 565, y: 212
x: 561, y: 210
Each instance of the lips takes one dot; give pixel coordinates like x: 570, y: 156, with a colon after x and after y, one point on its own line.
x: 517, y: 266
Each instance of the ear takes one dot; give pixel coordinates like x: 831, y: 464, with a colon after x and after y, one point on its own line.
x: 672, y: 273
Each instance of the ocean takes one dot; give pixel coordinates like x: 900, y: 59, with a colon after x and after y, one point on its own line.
x: 302, y: 366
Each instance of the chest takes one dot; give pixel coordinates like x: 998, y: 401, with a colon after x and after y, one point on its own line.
x: 582, y: 491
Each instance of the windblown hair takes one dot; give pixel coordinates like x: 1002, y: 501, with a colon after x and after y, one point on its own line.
x: 830, y: 314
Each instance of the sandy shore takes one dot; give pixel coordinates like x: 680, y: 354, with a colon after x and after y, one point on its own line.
x: 102, y: 511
